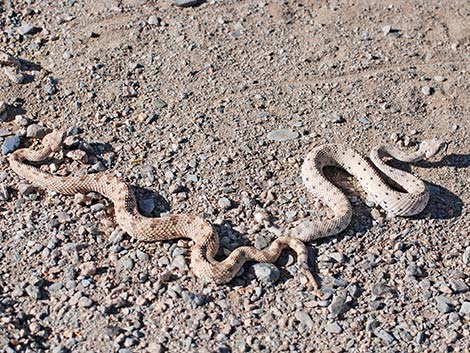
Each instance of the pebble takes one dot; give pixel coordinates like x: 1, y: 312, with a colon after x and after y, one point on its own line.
x: 85, y: 302
x: 26, y: 28
x: 414, y: 270
x: 33, y: 292
x: 444, y: 305
x: 87, y: 268
x: 385, y: 335
x: 304, y: 318
x: 266, y: 273
x: 154, y: 20
x: 37, y: 131
x: 224, y: 203
x: 26, y: 189
x: 334, y: 118
x: 386, y: 29
x: 458, y: 286
x: 333, y: 327
x: 426, y: 90
x: 380, y: 289
x: 159, y: 103
x: 465, y: 309
x: 338, y: 306
x: 186, y: 3
x: 127, y: 263
x: 14, y: 75
x: 179, y: 262
x: 11, y: 144
x: 282, y: 135
x: 261, y: 241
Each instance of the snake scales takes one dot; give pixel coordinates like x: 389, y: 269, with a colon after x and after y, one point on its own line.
x: 206, y: 241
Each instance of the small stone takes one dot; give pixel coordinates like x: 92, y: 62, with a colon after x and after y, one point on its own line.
x: 33, y: 292
x: 266, y: 273
x: 337, y: 256
x: 282, y: 135
x: 385, y: 335
x: 22, y: 120
x: 11, y: 144
x: 224, y: 203
x: 85, y: 302
x: 3, y: 111
x: 444, y: 305
x: 179, y: 262
x: 452, y: 336
x: 334, y: 118
x: 386, y: 29
x: 338, y: 306
x: 97, y: 207
x: 304, y: 318
x: 159, y: 103
x: 155, y: 347
x: 26, y: 28
x: 37, y: 131
x: 14, y: 75
x: 427, y: 91
x: 333, y: 328
x: 78, y: 155
x: 154, y: 20
x: 87, y: 268
x: 458, y: 286
x: 414, y: 271
x: 465, y: 309
x: 127, y: 263
x: 420, y: 337
x: 186, y: 3
x: 261, y: 242
x: 26, y: 189
x: 380, y: 289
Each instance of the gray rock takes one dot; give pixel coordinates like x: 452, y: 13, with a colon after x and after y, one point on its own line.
x: 282, y: 135
x: 127, y: 263
x: 380, y: 289
x: 261, y: 241
x: 97, y: 207
x: 26, y: 189
x: 186, y: 3
x: 385, y: 335
x: 14, y: 75
x: 304, y: 318
x: 333, y: 327
x: 33, y: 292
x: 465, y: 308
x: 333, y: 118
x: 338, y: 306
x: 26, y: 28
x: 266, y: 273
x: 427, y: 91
x: 154, y: 20
x: 85, y: 302
x: 458, y: 286
x: 444, y: 305
x: 224, y: 203
x: 179, y: 262
x: 414, y: 270
x: 420, y: 337
x: 386, y: 29
x: 159, y: 103
x: 11, y: 144
x: 337, y: 256
x: 37, y: 131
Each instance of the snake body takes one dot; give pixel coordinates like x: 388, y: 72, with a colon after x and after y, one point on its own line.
x: 206, y: 241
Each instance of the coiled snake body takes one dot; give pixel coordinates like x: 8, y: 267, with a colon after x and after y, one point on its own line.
x: 206, y: 241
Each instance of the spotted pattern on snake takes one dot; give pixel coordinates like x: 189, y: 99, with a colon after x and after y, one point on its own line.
x: 206, y: 241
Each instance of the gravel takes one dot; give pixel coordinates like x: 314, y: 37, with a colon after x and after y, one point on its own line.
x: 11, y: 144
x: 210, y: 110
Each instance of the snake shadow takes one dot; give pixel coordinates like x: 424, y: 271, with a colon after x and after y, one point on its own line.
x: 443, y: 203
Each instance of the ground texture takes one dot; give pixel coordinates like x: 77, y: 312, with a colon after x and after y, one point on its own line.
x: 186, y: 103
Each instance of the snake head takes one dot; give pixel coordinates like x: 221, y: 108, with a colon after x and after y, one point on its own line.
x: 54, y: 140
x: 432, y: 147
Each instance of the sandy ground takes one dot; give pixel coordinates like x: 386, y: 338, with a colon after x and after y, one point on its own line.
x: 180, y: 101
